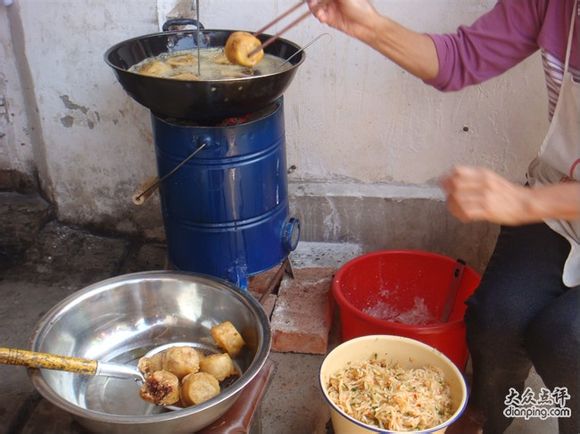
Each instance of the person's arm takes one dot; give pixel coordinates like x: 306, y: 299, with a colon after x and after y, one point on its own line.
x: 413, y: 51
x: 497, y: 41
x: 475, y: 194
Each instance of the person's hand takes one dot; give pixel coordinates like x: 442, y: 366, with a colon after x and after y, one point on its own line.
x: 475, y: 193
x: 349, y: 16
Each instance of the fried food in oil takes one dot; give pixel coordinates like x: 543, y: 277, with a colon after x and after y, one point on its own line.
x: 187, y: 76
x: 156, y: 69
x: 221, y: 59
x: 239, y: 45
x: 182, y: 60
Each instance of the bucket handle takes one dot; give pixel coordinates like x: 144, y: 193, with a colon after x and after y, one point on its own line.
x: 147, y: 188
x: 453, y: 289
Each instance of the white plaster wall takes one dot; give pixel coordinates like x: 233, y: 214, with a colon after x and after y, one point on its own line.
x: 98, y: 141
x: 16, y: 151
x: 351, y: 115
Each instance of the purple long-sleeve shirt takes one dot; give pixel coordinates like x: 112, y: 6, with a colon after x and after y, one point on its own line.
x: 503, y: 37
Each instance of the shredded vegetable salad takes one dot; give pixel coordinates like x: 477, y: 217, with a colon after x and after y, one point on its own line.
x: 384, y: 395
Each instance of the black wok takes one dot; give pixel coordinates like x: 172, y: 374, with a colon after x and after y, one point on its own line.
x: 198, y: 100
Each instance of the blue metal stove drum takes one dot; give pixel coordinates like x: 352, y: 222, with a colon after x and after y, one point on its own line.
x: 221, y: 146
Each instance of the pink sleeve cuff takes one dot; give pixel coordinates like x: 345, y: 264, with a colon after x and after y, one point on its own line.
x: 442, y: 78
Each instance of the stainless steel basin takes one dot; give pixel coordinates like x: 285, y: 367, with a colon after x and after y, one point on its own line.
x: 122, y: 318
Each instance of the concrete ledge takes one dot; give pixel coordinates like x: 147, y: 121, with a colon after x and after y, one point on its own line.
x: 405, y: 218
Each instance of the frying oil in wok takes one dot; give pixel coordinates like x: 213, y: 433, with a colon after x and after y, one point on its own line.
x: 182, y: 65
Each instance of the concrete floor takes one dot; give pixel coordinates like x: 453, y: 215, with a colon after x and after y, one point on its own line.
x: 43, y: 261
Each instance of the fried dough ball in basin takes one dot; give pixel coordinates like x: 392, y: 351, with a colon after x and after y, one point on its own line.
x: 160, y: 388
x: 218, y: 365
x: 198, y: 388
x: 181, y: 361
x: 148, y: 365
x: 228, y: 338
x: 239, y: 45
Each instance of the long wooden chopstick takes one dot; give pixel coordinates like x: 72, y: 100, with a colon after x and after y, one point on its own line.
x: 279, y: 18
x: 285, y: 29
x: 277, y: 35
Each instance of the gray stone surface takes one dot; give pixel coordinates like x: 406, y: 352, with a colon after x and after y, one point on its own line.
x: 60, y: 261
x: 144, y: 257
x: 294, y: 404
x: 69, y: 256
x: 21, y: 217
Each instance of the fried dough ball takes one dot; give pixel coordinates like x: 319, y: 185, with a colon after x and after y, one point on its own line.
x: 156, y: 69
x: 198, y: 388
x: 160, y: 388
x: 181, y: 60
x: 239, y: 45
x: 227, y: 337
x: 245, y: 72
x: 218, y: 365
x: 148, y: 365
x: 181, y: 361
x: 187, y: 76
x: 221, y: 59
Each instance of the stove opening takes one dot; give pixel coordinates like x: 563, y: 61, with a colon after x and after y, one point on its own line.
x: 230, y: 121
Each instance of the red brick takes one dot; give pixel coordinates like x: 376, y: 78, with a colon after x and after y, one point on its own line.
x: 259, y: 283
x: 268, y: 303
x: 313, y: 274
x: 302, y: 317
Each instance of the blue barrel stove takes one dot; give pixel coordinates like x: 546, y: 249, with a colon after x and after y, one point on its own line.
x: 226, y: 210
x: 225, y: 207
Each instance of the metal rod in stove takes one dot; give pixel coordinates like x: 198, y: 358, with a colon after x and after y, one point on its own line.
x: 149, y: 186
x: 197, y: 34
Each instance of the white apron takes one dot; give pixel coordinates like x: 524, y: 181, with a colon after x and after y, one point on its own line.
x: 559, y: 157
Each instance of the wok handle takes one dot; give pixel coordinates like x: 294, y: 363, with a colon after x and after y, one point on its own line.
x: 181, y: 22
x: 31, y: 359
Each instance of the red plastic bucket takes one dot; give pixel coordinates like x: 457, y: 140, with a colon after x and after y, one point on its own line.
x: 411, y: 286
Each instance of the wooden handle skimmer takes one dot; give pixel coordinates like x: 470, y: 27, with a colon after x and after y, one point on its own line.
x: 14, y: 356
